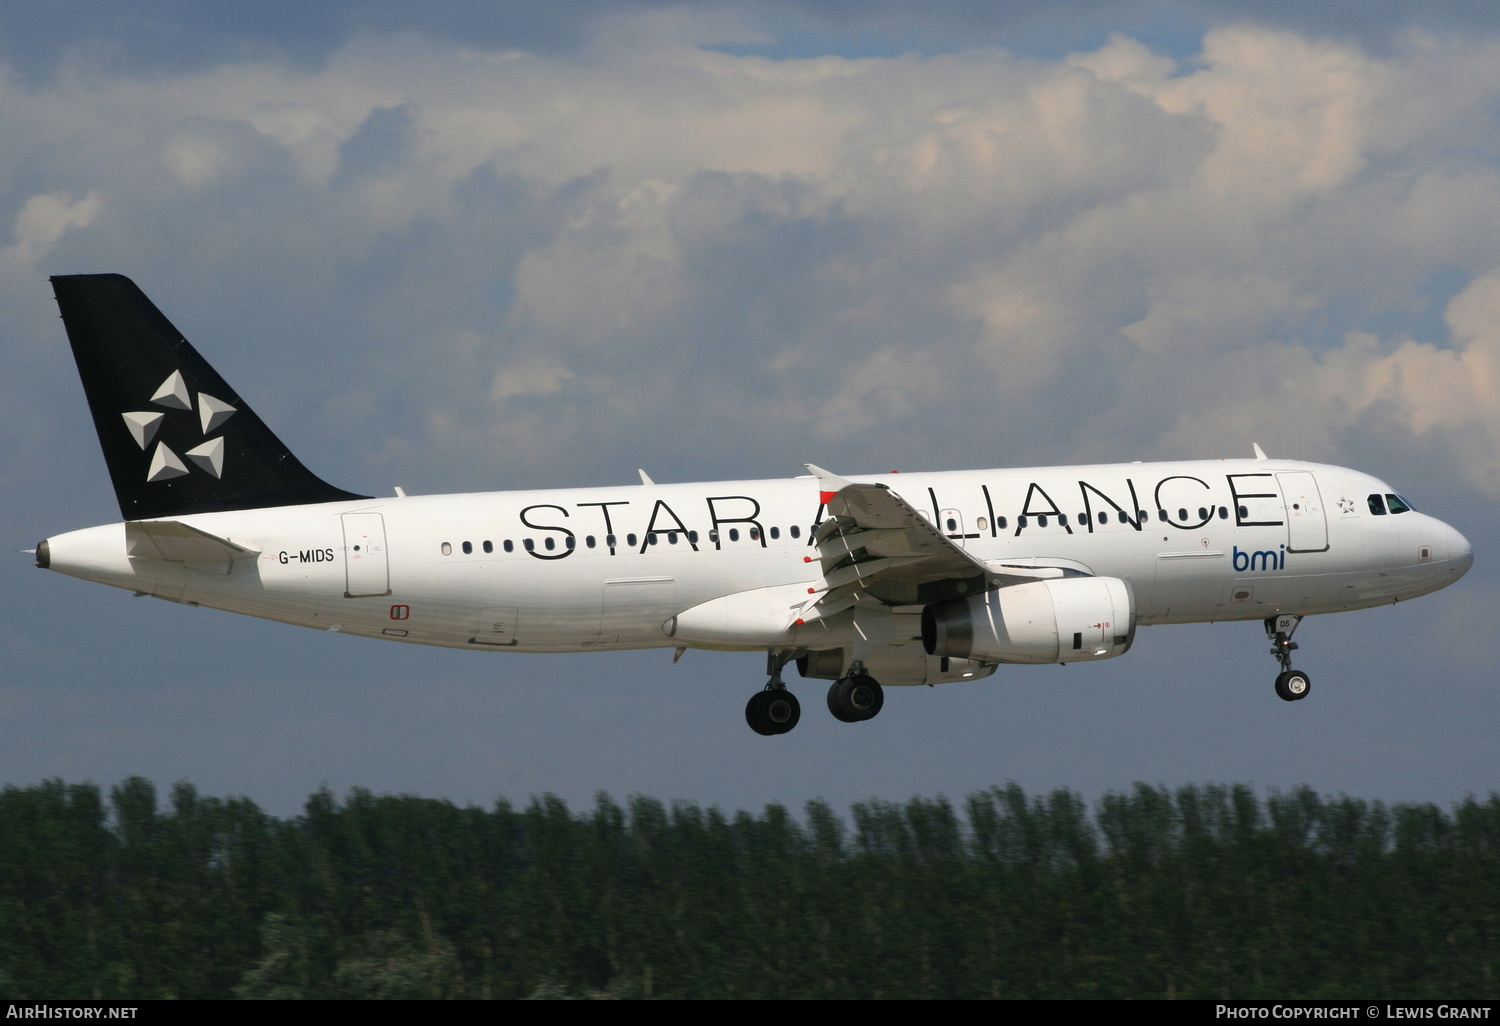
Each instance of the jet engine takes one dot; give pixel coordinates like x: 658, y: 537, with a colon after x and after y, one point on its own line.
x: 1056, y: 620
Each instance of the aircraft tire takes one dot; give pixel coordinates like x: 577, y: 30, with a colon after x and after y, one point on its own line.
x: 1293, y: 686
x: 755, y: 714
x: 853, y: 699
x: 772, y: 712
x: 836, y: 702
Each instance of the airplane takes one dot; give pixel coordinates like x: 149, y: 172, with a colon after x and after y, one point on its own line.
x: 866, y: 581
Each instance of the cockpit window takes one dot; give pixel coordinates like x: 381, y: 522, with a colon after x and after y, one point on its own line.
x: 1377, y: 504
x: 1398, y: 504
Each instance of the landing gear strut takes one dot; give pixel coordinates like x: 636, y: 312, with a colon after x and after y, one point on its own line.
x: 1291, y: 685
x: 774, y: 710
x: 855, y: 697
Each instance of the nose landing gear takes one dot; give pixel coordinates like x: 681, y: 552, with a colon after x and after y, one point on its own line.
x: 1291, y: 685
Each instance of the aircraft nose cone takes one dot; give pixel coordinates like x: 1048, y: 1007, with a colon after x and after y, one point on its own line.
x: 1460, y: 552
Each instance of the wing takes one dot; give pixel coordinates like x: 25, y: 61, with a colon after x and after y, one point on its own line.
x: 876, y: 548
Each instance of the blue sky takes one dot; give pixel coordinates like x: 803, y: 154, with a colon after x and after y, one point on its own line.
x: 543, y: 245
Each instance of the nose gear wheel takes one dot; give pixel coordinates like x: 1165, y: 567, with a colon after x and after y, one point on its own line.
x: 1291, y: 685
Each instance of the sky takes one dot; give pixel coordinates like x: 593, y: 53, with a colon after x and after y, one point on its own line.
x: 471, y: 247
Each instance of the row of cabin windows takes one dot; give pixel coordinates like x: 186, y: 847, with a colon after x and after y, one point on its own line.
x: 1205, y: 514
x: 550, y: 542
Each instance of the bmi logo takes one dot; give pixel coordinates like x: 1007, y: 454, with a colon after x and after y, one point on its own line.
x: 166, y: 464
x: 1265, y: 559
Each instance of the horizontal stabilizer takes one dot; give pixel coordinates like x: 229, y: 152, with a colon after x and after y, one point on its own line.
x: 178, y: 543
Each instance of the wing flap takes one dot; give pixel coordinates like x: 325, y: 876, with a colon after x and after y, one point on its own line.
x: 876, y: 544
x: 875, y: 547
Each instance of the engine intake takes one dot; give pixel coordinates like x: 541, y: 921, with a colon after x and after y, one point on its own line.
x: 1058, y: 620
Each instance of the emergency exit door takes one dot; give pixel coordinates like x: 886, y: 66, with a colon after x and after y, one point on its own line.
x: 365, y: 567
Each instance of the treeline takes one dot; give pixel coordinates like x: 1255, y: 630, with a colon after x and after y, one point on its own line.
x: 1202, y: 892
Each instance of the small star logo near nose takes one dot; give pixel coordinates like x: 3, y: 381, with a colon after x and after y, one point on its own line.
x: 1346, y: 505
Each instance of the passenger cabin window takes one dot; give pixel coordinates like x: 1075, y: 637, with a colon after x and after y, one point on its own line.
x: 795, y: 531
x: 510, y: 546
x: 468, y: 548
x: 528, y: 545
x: 775, y: 533
x: 447, y: 548
x: 734, y: 534
x: 589, y: 541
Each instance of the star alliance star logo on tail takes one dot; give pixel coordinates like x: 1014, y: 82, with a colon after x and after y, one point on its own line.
x: 166, y: 464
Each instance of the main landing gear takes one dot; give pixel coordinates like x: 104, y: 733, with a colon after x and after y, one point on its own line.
x: 855, y: 697
x: 774, y: 710
x: 1291, y: 685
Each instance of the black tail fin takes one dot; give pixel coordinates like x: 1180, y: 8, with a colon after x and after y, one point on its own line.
x: 177, y: 439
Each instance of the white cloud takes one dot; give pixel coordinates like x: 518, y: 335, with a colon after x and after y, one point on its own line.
x: 44, y: 219
x: 535, y: 376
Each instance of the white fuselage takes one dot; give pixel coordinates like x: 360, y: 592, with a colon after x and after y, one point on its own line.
x: 605, y: 568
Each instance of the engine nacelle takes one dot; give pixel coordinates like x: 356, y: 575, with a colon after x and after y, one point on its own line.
x: 1057, y: 620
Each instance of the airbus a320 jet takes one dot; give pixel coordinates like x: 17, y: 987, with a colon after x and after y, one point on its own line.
x: 867, y: 581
